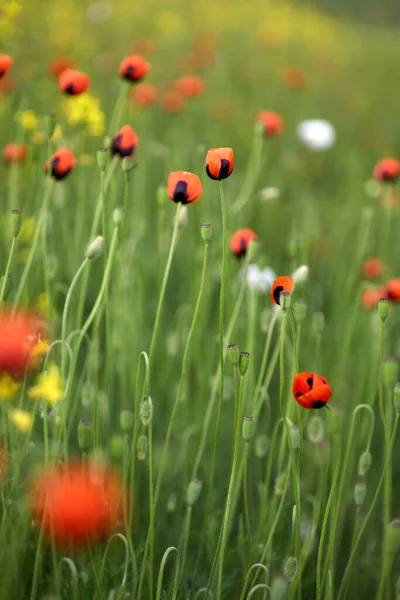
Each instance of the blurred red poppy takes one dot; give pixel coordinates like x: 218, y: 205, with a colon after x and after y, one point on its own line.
x: 241, y: 240
x: 133, y: 68
x: 372, y: 267
x: 15, y: 153
x: 191, y: 85
x: 387, y: 169
x: 393, y: 289
x: 60, y: 64
x: 144, y: 94
x: 73, y: 82
x: 19, y: 332
x: 294, y: 77
x: 5, y: 64
x: 61, y: 163
x: 172, y: 101
x: 273, y: 122
x: 125, y: 142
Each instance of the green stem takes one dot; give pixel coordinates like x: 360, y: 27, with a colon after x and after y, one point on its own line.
x: 245, y: 497
x: 188, y: 521
x: 6, y: 272
x: 151, y: 511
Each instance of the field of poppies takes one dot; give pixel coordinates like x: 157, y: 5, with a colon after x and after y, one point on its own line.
x: 199, y: 303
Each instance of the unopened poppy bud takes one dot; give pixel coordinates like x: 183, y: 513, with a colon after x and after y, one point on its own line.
x: 193, y: 491
x: 315, y: 430
x: 293, y: 247
x: 50, y: 124
x: 95, y: 248
x: 318, y: 322
x: 390, y: 371
x: 233, y: 353
x: 383, y: 309
x: 300, y: 310
x: 126, y: 419
x: 118, y: 216
x: 85, y: 434
x: 161, y: 194
x: 206, y: 231
x: 102, y: 158
x: 7, y: 287
x: 360, y: 491
x: 16, y: 221
x: 117, y: 447
x: 295, y: 435
x: 279, y: 588
x: 285, y: 300
x: 393, y: 537
x: 171, y: 504
x: 397, y: 397
x: 244, y: 362
x: 289, y: 568
x: 146, y: 411
x: 280, y: 484
x: 127, y: 164
x: 248, y: 428
x: 261, y: 445
x: 364, y: 463
x: 142, y: 447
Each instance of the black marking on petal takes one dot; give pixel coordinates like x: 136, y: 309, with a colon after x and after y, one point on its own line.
x: 298, y: 394
x: 224, y: 169
x: 70, y: 89
x: 180, y: 192
x: 130, y: 73
x: 310, y: 382
x: 318, y: 404
x: 277, y: 293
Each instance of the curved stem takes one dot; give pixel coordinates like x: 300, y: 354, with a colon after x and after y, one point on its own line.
x: 6, y: 272
x: 161, y: 572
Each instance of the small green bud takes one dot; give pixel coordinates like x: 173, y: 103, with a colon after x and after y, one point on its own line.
x: 102, y: 158
x: 279, y: 588
x: 397, y: 397
x: 293, y: 247
x: 393, y: 537
x: 289, y: 568
x: 171, y: 503
x: 193, y: 491
x: 261, y: 445
x: 300, y: 310
x: 146, y: 411
x: 360, y: 491
x: 142, y: 447
x: 364, y: 463
x: 206, y: 231
x: 85, y: 434
x: 117, y: 447
x: 390, y: 371
x: 7, y: 287
x: 126, y: 419
x: 161, y: 195
x: 234, y: 354
x: 50, y: 124
x: 315, y: 430
x: 244, y: 362
x: 383, y: 309
x: 280, y: 484
x: 16, y: 221
x: 118, y: 216
x: 127, y: 164
x: 285, y: 300
x: 95, y: 248
x: 248, y: 428
x: 295, y: 435
x: 318, y: 322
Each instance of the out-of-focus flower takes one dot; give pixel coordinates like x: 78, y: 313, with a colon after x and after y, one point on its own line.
x: 300, y: 275
x: 273, y: 122
x: 8, y: 386
x: 48, y: 387
x: 392, y: 288
x: 15, y: 153
x: 5, y: 64
x: 60, y: 64
x: 294, y: 77
x: 77, y: 503
x: 269, y: 193
x: 73, y: 82
x: 125, y: 142
x: 372, y: 268
x: 191, y: 86
x: 21, y: 418
x: 133, y: 68
x: 316, y: 134
x: 371, y: 296
x: 85, y: 110
x: 27, y: 119
x: 240, y: 241
x: 172, y: 101
x: 99, y: 12
x: 19, y: 332
x: 61, y: 163
x: 260, y: 280
x: 387, y: 169
x: 144, y: 94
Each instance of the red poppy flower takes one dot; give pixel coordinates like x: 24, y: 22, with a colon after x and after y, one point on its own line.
x: 372, y: 267
x: 73, y: 82
x: 5, y: 64
x: 240, y: 241
x: 15, y: 153
x: 61, y: 163
x: 125, y: 142
x: 311, y: 390
x: 7, y: 84
x: 393, y: 290
x: 387, y: 169
x: 273, y: 123
x: 184, y: 187
x: 370, y: 298
x: 294, y: 77
x: 219, y: 163
x: 191, y: 85
x: 60, y: 64
x: 134, y: 68
x: 18, y: 334
x: 172, y: 101
x: 282, y: 284
x: 144, y: 94
x: 76, y: 503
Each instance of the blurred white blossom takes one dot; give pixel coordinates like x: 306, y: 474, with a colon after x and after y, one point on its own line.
x: 258, y: 279
x: 316, y: 134
x: 300, y: 275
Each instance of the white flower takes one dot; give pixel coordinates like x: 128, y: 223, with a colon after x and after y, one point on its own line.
x: 300, y: 275
x: 259, y: 279
x: 316, y: 134
x: 269, y: 193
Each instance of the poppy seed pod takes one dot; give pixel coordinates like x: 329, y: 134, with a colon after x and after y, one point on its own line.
x: 102, y: 158
x: 240, y: 242
x: 61, y: 164
x: 133, y: 68
x: 125, y: 142
x: 360, y: 492
x: 285, y: 300
x: 272, y: 122
x: 206, y: 231
x: 219, y: 163
x: 383, y: 309
x: 282, y: 284
x: 244, y: 362
x: 73, y: 82
x: 233, y: 353
x: 16, y: 221
x: 248, y: 428
x: 387, y: 170
x: 184, y: 187
x: 5, y: 64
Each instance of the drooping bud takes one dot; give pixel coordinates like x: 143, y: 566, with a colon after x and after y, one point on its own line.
x: 234, y: 354
x: 383, y: 309
x: 280, y: 484
x: 261, y: 445
x: 244, y: 362
x: 285, y: 300
x: 142, y: 447
x: 248, y: 428
x: 360, y: 491
x: 364, y: 463
x: 193, y: 491
x: 118, y: 216
x: 315, y: 429
x: 85, y: 434
x: 95, y: 248
x: 289, y: 568
x: 102, y: 158
x: 146, y: 411
x: 16, y: 221
x: 206, y: 231
x: 126, y: 419
x: 295, y: 435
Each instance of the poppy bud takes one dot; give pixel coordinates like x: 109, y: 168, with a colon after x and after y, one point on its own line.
x: 85, y: 434
x: 390, y: 371
x: 383, y: 309
x: 118, y: 216
x: 240, y: 242
x: 387, y: 170
x: 282, y: 284
x: 193, y: 491
x: 126, y: 419
x: 279, y: 588
x: 280, y: 484
x: 117, y: 447
x: 393, y: 537
x: 127, y: 164
x: 315, y: 429
x: 318, y: 322
x: 360, y: 491
x: 261, y: 445
x: 184, y: 187
x: 146, y: 411
x: 73, y: 82
x: 233, y: 353
x: 285, y: 300
x: 364, y: 463
x: 272, y: 123
x: 133, y: 68
x: 219, y: 163
x: 125, y: 142
x: 289, y: 568
x: 300, y: 275
x: 7, y: 288
x: 102, y: 158
x: 95, y: 248
x: 397, y: 397
x: 16, y: 216
x: 391, y: 291
x: 295, y: 435
x: 206, y: 231
x: 300, y: 310
x: 142, y: 447
x: 171, y: 504
x: 248, y: 428
x: 244, y: 362
x: 50, y: 124
x: 5, y: 64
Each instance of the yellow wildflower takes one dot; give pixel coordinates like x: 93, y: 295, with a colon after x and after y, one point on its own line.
x: 57, y: 133
x: 8, y: 387
x: 27, y: 119
x: 21, y: 418
x: 37, y: 354
x: 42, y: 305
x: 85, y: 110
x: 49, y: 386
